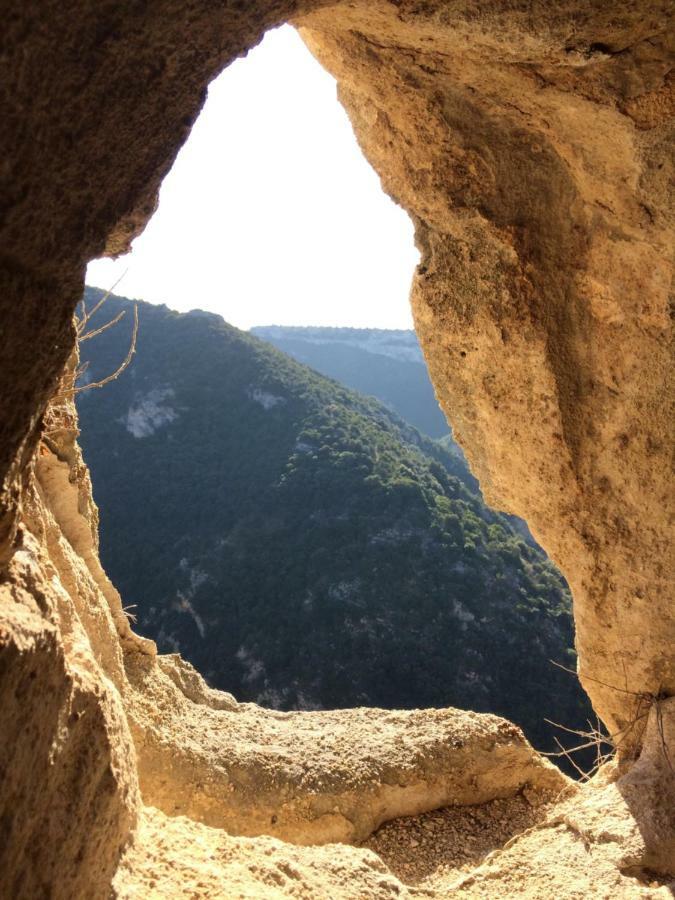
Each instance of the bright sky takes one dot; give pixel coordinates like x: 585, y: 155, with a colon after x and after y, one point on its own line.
x: 271, y: 215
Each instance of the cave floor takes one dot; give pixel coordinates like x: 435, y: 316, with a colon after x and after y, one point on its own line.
x: 527, y: 846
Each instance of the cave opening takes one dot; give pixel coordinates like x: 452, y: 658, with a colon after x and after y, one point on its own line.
x: 303, y: 546
x: 535, y: 167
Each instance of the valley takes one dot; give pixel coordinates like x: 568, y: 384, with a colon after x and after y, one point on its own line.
x: 301, y: 544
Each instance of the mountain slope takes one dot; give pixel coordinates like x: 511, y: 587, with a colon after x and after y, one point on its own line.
x: 381, y: 363
x: 302, y: 545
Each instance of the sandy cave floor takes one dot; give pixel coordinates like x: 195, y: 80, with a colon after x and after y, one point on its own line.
x: 415, y: 856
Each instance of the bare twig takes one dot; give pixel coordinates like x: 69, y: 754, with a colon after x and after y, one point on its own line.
x: 644, y: 701
x: 130, y: 615
x: 590, y: 678
x: 598, y: 755
x: 91, y: 334
x: 662, y: 735
x: 86, y: 316
x: 121, y: 367
x: 593, y: 738
x: 579, y: 732
x: 569, y: 759
x: 74, y: 389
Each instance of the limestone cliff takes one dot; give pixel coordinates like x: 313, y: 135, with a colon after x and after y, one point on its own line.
x: 532, y: 144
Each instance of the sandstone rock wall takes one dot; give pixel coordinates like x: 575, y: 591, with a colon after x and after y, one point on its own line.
x: 69, y: 794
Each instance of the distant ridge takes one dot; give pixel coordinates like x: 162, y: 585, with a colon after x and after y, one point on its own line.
x: 386, y: 364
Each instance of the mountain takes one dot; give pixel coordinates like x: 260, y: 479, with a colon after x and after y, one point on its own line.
x: 381, y: 363
x: 384, y: 364
x: 300, y: 543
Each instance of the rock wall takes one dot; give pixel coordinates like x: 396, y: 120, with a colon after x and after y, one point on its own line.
x: 530, y: 143
x: 70, y: 797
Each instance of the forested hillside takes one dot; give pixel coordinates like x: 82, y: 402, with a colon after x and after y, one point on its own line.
x: 301, y: 544
x: 387, y: 365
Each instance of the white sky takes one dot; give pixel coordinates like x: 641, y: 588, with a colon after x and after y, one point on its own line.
x: 271, y: 215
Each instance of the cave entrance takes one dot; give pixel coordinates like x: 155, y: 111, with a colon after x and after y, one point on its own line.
x: 304, y: 546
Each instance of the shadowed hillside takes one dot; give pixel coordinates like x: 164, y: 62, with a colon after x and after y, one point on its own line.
x: 301, y: 544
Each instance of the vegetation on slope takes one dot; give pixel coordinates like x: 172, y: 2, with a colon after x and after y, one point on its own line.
x: 384, y: 364
x: 302, y: 545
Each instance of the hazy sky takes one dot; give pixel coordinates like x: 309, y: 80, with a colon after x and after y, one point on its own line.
x: 271, y: 215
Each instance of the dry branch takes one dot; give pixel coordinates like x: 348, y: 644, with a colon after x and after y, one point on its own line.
x: 91, y: 334
x: 75, y: 389
x: 594, y: 737
x: 86, y: 316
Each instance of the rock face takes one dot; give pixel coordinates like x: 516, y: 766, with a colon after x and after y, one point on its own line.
x: 531, y: 143
x: 65, y: 752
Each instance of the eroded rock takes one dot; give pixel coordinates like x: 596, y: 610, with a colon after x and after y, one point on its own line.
x: 314, y: 777
x: 69, y: 797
